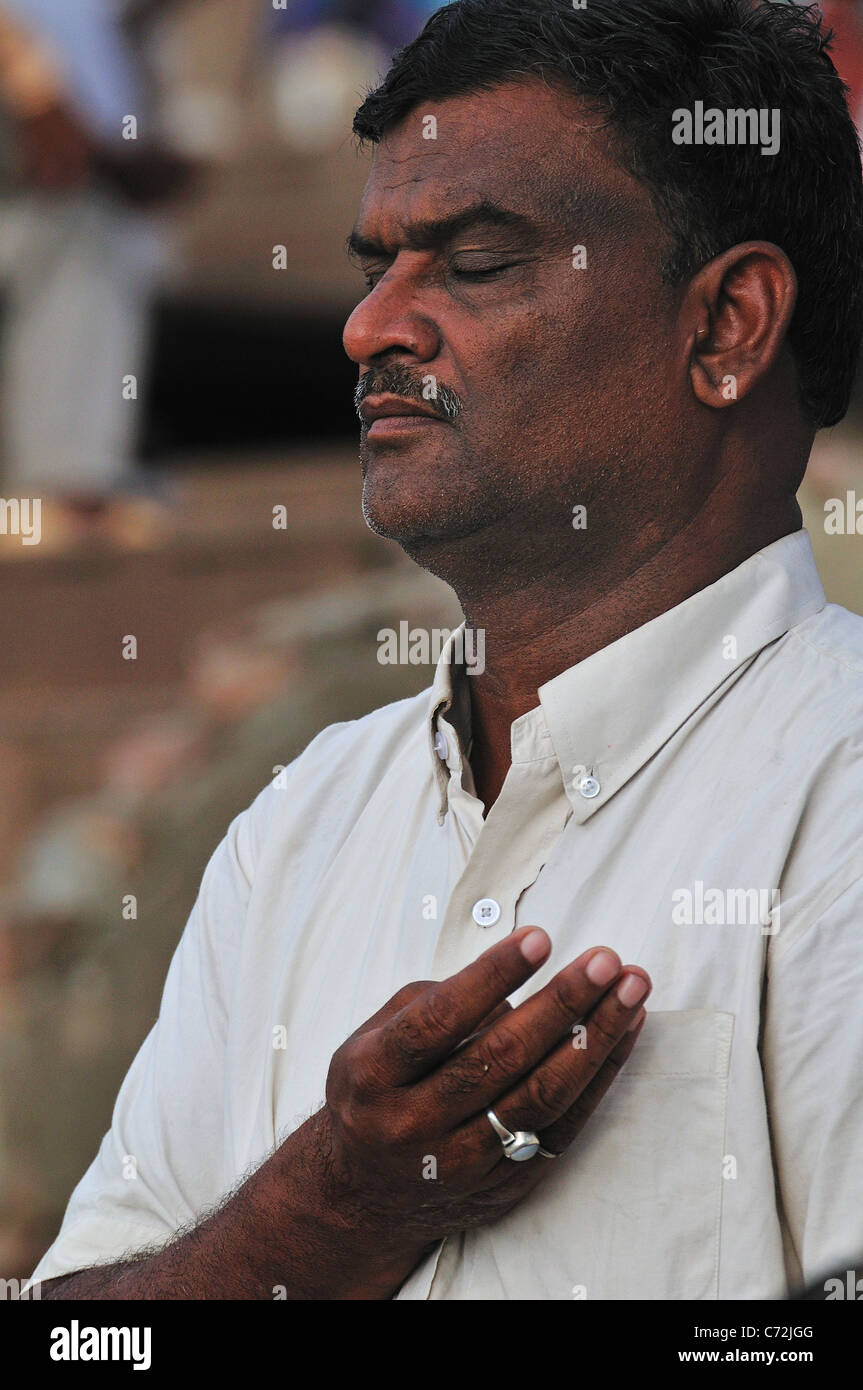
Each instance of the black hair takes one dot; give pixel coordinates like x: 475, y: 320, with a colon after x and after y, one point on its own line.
x: 640, y: 61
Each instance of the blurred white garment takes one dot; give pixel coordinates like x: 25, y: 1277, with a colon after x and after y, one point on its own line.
x: 79, y: 273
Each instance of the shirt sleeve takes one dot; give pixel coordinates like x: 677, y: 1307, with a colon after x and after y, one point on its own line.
x: 812, y: 1052
x: 161, y: 1165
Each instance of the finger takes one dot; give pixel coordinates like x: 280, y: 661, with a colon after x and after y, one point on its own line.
x: 503, y: 1008
x: 556, y: 1086
x: 392, y: 1006
x: 429, y: 1028
x: 404, y: 996
x: 499, y: 1012
x: 558, y: 1137
x: 494, y: 1062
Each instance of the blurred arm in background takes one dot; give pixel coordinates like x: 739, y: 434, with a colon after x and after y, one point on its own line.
x: 54, y: 150
x: 95, y: 52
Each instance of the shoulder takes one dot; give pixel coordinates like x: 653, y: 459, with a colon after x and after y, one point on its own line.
x: 332, y: 780
x: 813, y: 701
x: 819, y: 666
x: 831, y: 643
x: 825, y: 671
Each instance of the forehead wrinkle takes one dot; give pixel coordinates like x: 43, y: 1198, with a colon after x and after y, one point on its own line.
x: 387, y: 155
x: 404, y: 183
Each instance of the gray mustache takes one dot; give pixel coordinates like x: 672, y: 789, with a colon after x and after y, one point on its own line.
x: 398, y: 381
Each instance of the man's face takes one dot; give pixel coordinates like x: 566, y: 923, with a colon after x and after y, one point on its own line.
x: 544, y: 369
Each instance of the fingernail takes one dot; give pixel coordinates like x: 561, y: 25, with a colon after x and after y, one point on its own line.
x: 535, y: 946
x: 602, y: 968
x: 632, y: 990
x: 637, y: 1021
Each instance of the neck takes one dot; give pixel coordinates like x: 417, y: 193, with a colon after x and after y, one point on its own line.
x: 543, y: 625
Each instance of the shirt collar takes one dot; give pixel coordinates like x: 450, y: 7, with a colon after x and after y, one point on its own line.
x: 610, y: 713
x: 450, y: 702
x: 613, y: 711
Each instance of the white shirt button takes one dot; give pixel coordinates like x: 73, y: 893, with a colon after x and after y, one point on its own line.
x: 440, y: 746
x: 589, y: 787
x: 486, y: 912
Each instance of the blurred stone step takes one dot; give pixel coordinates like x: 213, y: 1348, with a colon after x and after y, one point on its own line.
x: 72, y: 611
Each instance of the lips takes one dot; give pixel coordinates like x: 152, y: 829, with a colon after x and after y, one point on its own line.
x: 376, y: 408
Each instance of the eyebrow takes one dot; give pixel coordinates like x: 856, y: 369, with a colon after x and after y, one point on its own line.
x: 435, y: 232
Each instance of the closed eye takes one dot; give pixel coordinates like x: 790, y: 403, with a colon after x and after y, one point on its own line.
x: 481, y: 272
x: 460, y: 272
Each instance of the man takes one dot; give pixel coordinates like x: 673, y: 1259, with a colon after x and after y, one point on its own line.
x: 81, y: 253
x: 592, y: 362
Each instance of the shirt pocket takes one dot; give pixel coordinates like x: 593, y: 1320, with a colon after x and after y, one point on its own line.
x: 632, y: 1210
x: 639, y: 1201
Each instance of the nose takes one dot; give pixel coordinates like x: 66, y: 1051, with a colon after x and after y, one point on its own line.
x: 389, y: 321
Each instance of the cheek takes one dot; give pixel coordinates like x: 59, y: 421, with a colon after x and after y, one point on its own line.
x: 584, y: 358
x: 510, y: 366
x: 607, y: 358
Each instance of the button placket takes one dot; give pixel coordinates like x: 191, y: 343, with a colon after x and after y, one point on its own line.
x: 507, y: 856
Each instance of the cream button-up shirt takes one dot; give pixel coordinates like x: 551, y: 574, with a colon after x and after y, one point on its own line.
x: 690, y: 796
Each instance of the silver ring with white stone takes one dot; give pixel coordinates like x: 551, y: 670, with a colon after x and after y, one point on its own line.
x: 521, y: 1145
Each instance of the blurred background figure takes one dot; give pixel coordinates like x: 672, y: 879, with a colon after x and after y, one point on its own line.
x: 323, y: 50
x: 88, y: 165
